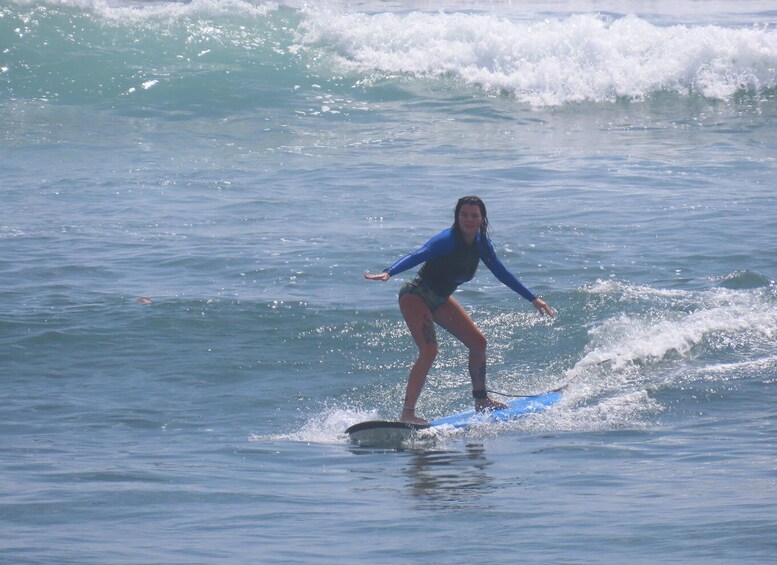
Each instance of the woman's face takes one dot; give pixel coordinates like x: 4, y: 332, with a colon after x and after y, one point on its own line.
x: 470, y: 220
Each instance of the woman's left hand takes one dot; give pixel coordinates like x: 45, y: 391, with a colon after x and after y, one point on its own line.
x: 543, y: 307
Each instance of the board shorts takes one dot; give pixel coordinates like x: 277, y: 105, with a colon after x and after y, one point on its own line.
x: 422, y: 290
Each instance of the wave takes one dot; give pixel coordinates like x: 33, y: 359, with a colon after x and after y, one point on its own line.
x: 95, y: 50
x: 553, y: 62
x: 662, y: 325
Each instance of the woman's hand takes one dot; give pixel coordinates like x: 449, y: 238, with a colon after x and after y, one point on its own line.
x: 543, y: 307
x: 378, y: 277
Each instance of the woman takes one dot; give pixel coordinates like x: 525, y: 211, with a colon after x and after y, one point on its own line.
x: 449, y: 259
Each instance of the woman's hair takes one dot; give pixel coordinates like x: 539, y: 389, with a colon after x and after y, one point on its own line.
x: 474, y: 201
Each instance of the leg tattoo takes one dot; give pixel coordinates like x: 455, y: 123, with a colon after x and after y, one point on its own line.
x: 430, y: 336
x: 479, y: 377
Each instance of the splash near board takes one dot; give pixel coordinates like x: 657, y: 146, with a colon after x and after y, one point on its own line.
x: 387, y: 432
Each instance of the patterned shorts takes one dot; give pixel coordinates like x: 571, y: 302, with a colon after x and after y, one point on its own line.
x: 421, y: 289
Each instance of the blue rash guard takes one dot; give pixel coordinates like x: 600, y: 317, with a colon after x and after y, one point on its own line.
x: 448, y: 262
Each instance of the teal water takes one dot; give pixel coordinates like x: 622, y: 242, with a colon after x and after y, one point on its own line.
x: 240, y: 165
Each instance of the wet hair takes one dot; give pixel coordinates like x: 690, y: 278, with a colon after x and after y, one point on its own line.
x: 472, y: 201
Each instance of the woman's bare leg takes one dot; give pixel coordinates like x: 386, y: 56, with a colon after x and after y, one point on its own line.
x: 420, y: 322
x: 454, y: 319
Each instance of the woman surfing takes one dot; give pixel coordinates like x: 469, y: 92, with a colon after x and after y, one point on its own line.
x: 449, y: 259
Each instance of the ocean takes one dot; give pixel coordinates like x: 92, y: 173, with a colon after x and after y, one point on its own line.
x: 191, y: 193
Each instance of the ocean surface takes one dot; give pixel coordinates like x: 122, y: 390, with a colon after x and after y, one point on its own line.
x: 191, y: 192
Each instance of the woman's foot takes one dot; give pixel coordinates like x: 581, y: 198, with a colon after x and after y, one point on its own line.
x: 482, y: 404
x: 409, y: 417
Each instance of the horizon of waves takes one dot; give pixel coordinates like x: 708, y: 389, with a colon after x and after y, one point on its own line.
x: 237, y: 53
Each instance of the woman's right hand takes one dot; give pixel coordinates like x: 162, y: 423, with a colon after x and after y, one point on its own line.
x: 543, y: 307
x: 378, y: 277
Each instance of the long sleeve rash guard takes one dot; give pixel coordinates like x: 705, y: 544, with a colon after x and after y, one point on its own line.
x: 448, y: 262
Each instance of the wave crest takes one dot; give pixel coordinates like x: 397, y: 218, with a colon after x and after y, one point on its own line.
x: 553, y: 62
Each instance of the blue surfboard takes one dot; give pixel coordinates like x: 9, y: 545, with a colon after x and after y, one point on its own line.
x: 515, y: 409
x: 387, y: 432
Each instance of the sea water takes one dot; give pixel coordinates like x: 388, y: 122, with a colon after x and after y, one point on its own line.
x: 190, y: 195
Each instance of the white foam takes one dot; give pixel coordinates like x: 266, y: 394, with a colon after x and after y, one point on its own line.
x: 716, y: 369
x: 552, y: 62
x: 663, y: 339
x: 326, y: 427
x: 679, y: 321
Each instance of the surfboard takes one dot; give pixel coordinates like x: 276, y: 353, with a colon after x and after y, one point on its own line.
x: 388, y: 432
